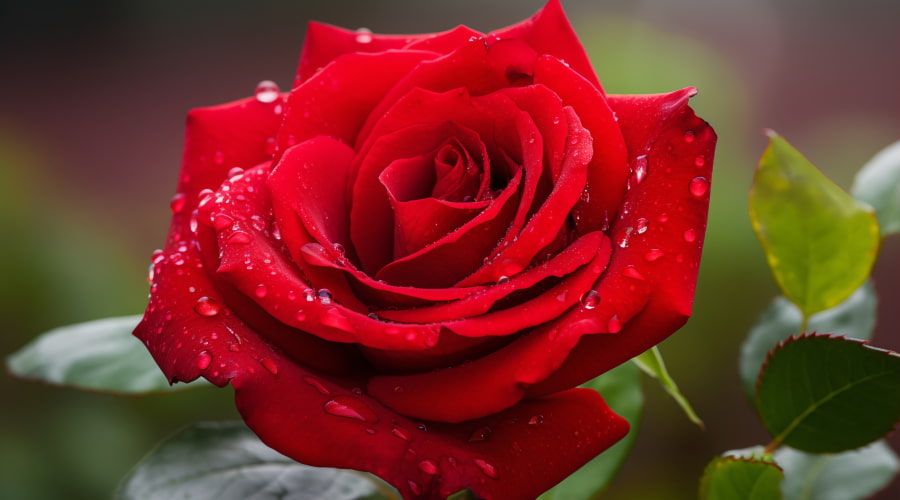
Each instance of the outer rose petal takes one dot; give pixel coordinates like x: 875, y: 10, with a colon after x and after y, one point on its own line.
x: 663, y: 232
x: 500, y: 457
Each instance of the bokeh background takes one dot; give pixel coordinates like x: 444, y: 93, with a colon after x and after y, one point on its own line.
x: 92, y: 105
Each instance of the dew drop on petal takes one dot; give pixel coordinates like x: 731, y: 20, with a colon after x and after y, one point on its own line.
x: 632, y: 272
x: 315, y: 384
x: 590, y: 299
x: 235, y: 171
x: 536, y: 420
x: 641, y: 225
x: 222, y: 221
x: 309, y: 295
x: 370, y: 431
x: 261, y: 291
x: 690, y: 235
x: 486, y: 468
x: 239, y: 237
x: 428, y: 466
x: 614, y: 325
x: 689, y: 136
x: 414, y: 487
x: 177, y: 203
x: 301, y: 315
x: 266, y: 91
x: 364, y: 35
x: 640, y: 170
x: 269, y: 365
x: 324, y: 296
x: 350, y: 407
x: 699, y: 187
x: 653, y: 254
x: 206, y: 306
x: 480, y: 434
x: 400, y: 433
x: 204, y: 359
x: 699, y: 161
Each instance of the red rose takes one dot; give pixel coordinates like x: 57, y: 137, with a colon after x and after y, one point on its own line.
x: 405, y: 264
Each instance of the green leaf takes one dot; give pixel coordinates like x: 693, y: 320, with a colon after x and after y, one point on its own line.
x: 878, y: 184
x: 621, y: 389
x: 100, y: 356
x: 854, y: 317
x: 651, y: 363
x: 732, y: 478
x: 852, y: 475
x: 820, y: 243
x: 824, y: 394
x: 226, y: 461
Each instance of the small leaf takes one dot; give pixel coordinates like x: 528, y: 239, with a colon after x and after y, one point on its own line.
x: 852, y: 475
x: 878, y: 184
x: 820, y: 243
x: 824, y: 394
x: 651, y: 363
x: 731, y: 478
x: 99, y: 355
x: 854, y: 317
x: 621, y: 389
x: 226, y: 461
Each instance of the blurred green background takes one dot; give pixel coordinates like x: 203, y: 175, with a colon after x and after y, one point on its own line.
x: 92, y: 106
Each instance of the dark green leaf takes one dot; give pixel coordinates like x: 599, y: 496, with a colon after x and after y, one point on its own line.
x: 852, y: 475
x: 226, y: 461
x: 854, y: 317
x: 824, y: 394
x: 732, y: 478
x: 820, y: 242
x: 878, y: 184
x: 621, y: 389
x: 651, y: 363
x: 99, y: 355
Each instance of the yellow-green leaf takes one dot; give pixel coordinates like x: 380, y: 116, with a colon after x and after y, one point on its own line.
x: 820, y: 242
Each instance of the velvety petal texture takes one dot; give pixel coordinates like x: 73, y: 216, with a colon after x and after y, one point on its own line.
x: 409, y: 276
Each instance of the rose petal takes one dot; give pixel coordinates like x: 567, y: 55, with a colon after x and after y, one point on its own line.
x: 319, y: 422
x: 549, y: 32
x: 667, y: 222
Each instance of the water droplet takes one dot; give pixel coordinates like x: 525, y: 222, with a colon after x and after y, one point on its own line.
x: 562, y: 296
x: 206, y: 306
x: 261, y: 291
x: 556, y: 120
x: 624, y: 239
x: 486, y: 468
x: 641, y: 225
x: 370, y: 431
x: 177, y: 203
x: 270, y: 365
x: 699, y: 187
x: 400, y: 433
x: 590, y: 299
x: 324, y: 296
x: 414, y: 487
x: 151, y: 272
x: 192, y: 224
x: 639, y: 172
x: 480, y: 434
x: 502, y: 279
x: 204, y: 359
x: 316, y: 385
x: 336, y: 319
x: 614, y: 325
x: 239, y: 237
x: 689, y: 136
x: 350, y: 407
x: 653, y: 254
x: 632, y: 272
x: 428, y: 466
x: 699, y: 161
x: 309, y: 294
x: 301, y: 315
x: 222, y: 221
x: 267, y: 91
x: 690, y: 235
x: 364, y: 35
x: 536, y: 420
x: 234, y: 172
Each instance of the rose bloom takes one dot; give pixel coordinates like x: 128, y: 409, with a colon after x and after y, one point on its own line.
x: 406, y: 263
